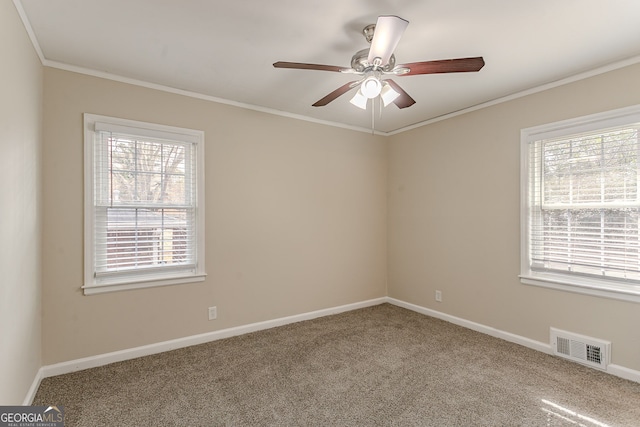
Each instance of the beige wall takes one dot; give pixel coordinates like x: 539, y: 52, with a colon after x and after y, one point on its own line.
x: 295, y: 220
x: 454, y: 200
x: 20, y: 147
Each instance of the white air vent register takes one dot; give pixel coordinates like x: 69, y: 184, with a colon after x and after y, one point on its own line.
x: 579, y: 348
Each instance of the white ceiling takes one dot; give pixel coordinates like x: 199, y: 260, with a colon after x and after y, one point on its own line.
x: 225, y: 49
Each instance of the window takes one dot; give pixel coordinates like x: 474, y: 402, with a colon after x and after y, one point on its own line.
x: 144, y: 215
x: 581, y: 205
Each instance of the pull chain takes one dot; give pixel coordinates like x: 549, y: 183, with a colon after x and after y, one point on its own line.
x: 373, y: 116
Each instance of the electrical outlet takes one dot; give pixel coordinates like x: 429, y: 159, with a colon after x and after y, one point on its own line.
x: 213, y: 313
x: 439, y: 296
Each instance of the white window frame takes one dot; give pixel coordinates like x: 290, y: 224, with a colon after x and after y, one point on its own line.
x: 155, y: 277
x: 608, y: 288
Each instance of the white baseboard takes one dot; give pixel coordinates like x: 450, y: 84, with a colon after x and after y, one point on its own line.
x: 146, y: 350
x: 622, y: 372
x: 28, y: 400
x: 132, y: 353
x: 507, y: 336
x: 617, y: 370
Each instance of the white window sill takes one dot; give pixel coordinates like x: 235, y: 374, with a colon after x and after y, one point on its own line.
x: 586, y: 286
x: 101, y: 288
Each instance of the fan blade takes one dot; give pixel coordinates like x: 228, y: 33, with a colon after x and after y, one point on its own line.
x: 389, y: 30
x: 336, y: 93
x: 460, y: 65
x: 302, y: 66
x: 404, y: 100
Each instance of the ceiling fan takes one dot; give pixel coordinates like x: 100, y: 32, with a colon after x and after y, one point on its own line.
x: 373, y: 65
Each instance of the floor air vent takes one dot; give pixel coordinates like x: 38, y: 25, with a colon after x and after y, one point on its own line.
x: 588, y: 351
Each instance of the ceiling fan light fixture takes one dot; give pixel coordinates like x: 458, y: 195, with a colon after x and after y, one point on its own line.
x: 387, y: 94
x: 371, y: 87
x: 359, y: 100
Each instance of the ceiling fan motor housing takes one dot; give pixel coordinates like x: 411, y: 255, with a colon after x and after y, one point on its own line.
x: 360, y: 62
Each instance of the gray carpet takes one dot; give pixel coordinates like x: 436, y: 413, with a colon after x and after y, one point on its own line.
x: 378, y: 366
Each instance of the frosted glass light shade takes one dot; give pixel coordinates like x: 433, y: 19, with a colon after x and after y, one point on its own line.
x: 387, y: 94
x: 371, y: 87
x: 359, y: 100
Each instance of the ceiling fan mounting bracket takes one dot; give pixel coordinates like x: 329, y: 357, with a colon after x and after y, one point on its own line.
x: 368, y: 32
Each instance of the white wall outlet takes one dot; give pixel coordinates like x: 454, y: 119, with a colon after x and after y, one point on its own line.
x: 439, y: 296
x: 213, y: 313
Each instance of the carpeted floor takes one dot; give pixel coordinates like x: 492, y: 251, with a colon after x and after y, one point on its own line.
x: 378, y: 366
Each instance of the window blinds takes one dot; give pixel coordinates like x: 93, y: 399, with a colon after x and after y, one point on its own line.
x: 144, y: 202
x: 584, y: 204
